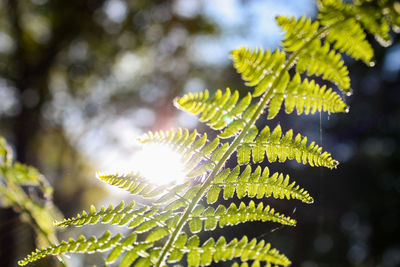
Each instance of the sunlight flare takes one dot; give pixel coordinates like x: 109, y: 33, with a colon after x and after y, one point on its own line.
x: 159, y: 164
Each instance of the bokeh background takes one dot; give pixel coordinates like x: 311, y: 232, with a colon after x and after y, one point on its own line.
x: 81, y: 79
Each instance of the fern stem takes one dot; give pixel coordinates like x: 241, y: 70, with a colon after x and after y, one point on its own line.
x: 233, y: 146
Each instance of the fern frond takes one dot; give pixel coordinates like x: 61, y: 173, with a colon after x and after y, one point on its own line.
x: 234, y: 215
x: 312, y: 56
x: 345, y: 32
x: 93, y: 217
x: 143, y: 219
x: 219, y: 111
x: 80, y: 245
x: 282, y: 147
x: 198, y: 156
x: 323, y: 61
x: 391, y: 10
x: 258, y: 68
x: 258, y: 183
x: 298, y: 31
x: 134, y: 183
x: 211, y: 251
x: 308, y: 97
x: 373, y: 19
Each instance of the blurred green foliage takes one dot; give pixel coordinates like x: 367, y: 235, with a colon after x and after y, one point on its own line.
x: 28, y: 192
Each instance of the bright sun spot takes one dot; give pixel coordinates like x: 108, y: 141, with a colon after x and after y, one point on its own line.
x: 159, y: 164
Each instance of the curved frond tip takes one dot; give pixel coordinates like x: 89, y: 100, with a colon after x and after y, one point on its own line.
x: 93, y: 217
x: 133, y: 182
x: 219, y: 111
x: 80, y: 245
x: 258, y: 68
x: 345, y: 32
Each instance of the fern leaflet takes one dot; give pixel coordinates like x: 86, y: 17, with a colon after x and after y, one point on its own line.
x: 255, y: 184
x: 282, y: 147
x: 80, y: 245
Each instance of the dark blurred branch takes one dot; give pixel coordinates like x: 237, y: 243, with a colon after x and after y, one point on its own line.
x: 31, y: 64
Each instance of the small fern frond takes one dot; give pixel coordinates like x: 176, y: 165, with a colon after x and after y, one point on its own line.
x: 134, y: 183
x: 349, y: 37
x: 345, y: 32
x: 323, y: 61
x: 198, y: 155
x: 298, y: 31
x: 219, y: 111
x: 258, y: 68
x: 80, y: 245
x: 211, y: 251
x: 376, y: 17
x: 391, y: 10
x: 234, y: 215
x: 315, y: 58
x: 282, y: 147
x: 258, y: 183
x: 93, y: 217
x: 308, y: 97
x: 374, y: 21
x: 142, y: 220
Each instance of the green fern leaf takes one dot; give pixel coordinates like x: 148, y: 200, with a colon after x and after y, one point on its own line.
x: 125, y: 245
x: 282, y: 147
x: 258, y: 183
x: 104, y: 215
x: 142, y: 220
x: 234, y: 215
x: 312, y: 56
x: 258, y: 68
x: 80, y: 245
x: 323, y: 61
x: 133, y: 183
x: 136, y: 184
x: 345, y: 32
x: 308, y: 97
x: 219, y: 111
x: 133, y: 250
x: 374, y: 21
x: 197, y: 158
x: 157, y: 234
x: 211, y: 251
x: 392, y: 14
x: 298, y: 32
